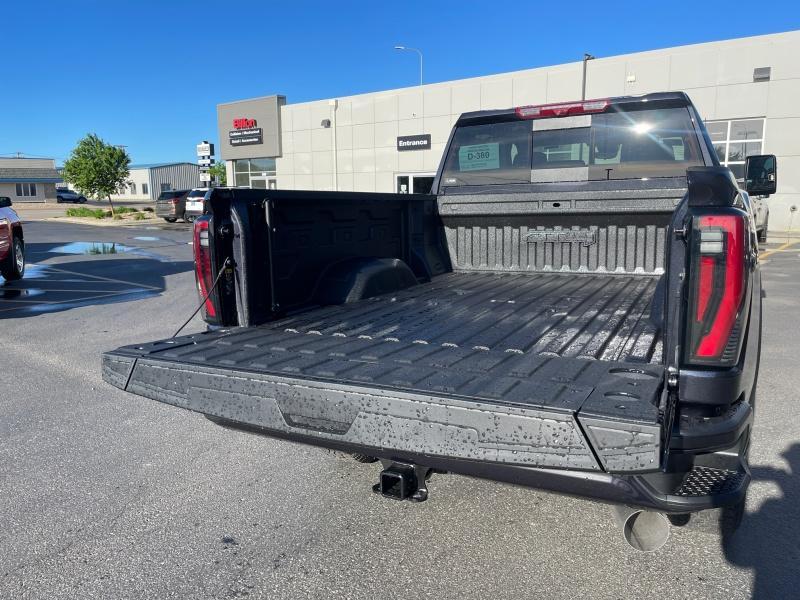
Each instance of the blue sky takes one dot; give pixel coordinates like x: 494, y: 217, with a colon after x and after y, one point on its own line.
x: 149, y: 74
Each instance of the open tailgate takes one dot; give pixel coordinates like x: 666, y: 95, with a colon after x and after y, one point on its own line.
x: 378, y: 396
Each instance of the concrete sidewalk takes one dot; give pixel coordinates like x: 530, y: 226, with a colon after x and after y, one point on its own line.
x: 40, y: 211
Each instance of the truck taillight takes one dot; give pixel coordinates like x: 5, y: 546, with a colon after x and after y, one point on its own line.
x: 203, y: 266
x: 717, y: 289
x: 562, y: 110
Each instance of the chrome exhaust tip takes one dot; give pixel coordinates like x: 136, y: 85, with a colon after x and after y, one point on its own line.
x: 644, y: 530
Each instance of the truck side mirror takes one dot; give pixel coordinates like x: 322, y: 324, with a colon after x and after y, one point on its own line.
x: 761, y: 174
x: 5, y: 201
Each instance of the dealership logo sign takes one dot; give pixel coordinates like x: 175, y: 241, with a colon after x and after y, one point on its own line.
x: 245, y: 133
x: 585, y: 237
x: 414, y: 142
x: 244, y: 123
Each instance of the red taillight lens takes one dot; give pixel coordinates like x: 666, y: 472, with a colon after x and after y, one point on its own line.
x: 717, y: 289
x: 562, y: 110
x: 203, y: 265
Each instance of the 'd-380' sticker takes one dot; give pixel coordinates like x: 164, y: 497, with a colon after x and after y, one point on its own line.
x: 479, y: 157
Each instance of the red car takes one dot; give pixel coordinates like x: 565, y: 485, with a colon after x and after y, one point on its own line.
x: 12, y: 244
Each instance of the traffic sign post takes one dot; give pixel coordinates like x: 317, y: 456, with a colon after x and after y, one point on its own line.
x: 205, y: 159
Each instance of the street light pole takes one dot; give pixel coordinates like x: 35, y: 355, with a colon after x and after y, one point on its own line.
x: 586, y: 58
x: 420, y: 58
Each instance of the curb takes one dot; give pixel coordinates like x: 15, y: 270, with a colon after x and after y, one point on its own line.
x: 101, y: 222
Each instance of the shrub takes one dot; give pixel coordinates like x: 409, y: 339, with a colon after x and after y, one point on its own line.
x: 139, y: 216
x: 82, y: 211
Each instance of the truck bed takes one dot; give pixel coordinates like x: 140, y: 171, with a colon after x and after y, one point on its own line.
x: 486, y: 366
x: 593, y: 316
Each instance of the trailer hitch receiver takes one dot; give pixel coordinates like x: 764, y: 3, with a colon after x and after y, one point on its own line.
x: 403, y: 482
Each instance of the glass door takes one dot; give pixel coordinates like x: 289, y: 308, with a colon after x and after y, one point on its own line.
x: 415, y: 183
x: 258, y: 183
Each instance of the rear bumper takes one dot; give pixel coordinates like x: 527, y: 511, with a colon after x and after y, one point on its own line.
x: 699, y: 488
x: 168, y: 211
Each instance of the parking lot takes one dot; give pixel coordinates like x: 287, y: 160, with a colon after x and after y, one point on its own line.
x: 109, y: 495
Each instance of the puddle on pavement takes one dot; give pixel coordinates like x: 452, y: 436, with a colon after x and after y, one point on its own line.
x: 111, y: 298
x: 107, y: 248
x: 147, y: 238
x: 93, y: 248
x: 24, y: 301
x: 34, y: 271
x: 11, y: 294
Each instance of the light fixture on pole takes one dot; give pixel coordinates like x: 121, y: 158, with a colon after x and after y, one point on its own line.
x: 586, y: 58
x: 420, y: 58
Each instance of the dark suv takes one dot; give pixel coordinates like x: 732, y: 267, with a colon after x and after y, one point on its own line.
x: 171, y: 205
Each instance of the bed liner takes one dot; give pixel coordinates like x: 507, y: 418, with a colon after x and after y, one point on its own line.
x: 595, y: 316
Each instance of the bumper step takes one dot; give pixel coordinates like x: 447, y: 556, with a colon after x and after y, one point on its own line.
x: 709, y: 481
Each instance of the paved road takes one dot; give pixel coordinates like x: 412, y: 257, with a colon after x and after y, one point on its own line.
x: 107, y: 495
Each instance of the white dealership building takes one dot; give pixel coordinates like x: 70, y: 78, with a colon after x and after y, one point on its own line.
x: 747, y: 90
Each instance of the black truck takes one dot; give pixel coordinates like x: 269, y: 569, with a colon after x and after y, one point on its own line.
x: 575, y: 308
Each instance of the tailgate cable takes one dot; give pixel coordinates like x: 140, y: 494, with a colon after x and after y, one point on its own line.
x: 228, y: 262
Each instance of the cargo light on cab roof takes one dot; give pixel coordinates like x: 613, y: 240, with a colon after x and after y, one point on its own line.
x: 566, y: 109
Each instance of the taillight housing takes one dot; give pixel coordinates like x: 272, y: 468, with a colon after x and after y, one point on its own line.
x: 204, y: 267
x: 717, y: 289
x: 564, y: 109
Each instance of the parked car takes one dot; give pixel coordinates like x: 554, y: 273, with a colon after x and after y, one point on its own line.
x: 66, y: 195
x: 576, y: 309
x: 195, y: 203
x: 171, y: 205
x: 12, y: 242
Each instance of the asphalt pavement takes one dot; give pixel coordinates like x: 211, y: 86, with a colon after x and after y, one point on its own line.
x: 108, y: 495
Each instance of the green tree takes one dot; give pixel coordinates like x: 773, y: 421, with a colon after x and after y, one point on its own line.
x: 218, y: 172
x: 97, y: 169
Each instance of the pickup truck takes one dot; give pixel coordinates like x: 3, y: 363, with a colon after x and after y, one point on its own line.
x: 575, y: 308
x: 12, y: 242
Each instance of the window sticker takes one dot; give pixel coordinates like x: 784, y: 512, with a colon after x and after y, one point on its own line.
x: 479, y: 157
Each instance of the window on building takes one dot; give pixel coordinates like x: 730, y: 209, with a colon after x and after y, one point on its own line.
x: 245, y: 168
x: 133, y: 188
x: 26, y: 190
x: 735, y: 140
x: 165, y: 187
x: 145, y: 189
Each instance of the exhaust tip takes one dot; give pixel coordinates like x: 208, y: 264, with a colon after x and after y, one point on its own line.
x: 645, y: 531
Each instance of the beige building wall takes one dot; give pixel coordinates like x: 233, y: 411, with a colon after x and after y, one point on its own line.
x: 718, y: 76
x: 44, y: 192
x: 138, y: 177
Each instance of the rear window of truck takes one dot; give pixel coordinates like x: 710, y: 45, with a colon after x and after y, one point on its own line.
x: 633, y: 144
